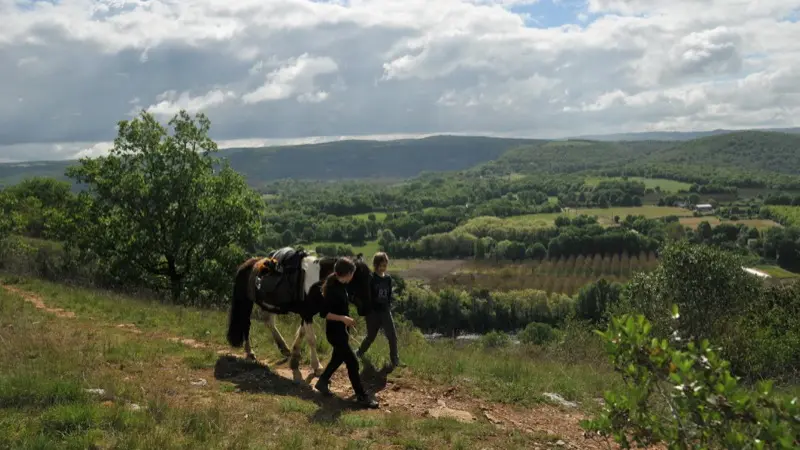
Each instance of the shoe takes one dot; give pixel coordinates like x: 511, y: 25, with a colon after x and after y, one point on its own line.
x: 322, y: 386
x: 367, y: 401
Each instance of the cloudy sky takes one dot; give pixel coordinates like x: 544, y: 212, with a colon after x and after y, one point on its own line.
x: 273, y: 71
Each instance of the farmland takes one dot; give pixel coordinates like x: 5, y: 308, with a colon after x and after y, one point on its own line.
x: 649, y: 183
x: 760, y: 224
x: 563, y: 275
x: 789, y: 215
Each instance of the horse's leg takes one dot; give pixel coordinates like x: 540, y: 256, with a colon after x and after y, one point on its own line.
x: 311, y: 338
x: 276, y: 335
x: 248, y: 352
x: 294, y: 362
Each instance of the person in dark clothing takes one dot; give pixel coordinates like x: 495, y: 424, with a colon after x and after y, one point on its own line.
x: 336, y: 312
x: 380, y: 313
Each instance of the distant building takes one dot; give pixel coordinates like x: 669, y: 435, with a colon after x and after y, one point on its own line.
x: 705, y: 207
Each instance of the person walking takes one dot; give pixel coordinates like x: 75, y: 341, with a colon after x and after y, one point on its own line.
x: 336, y: 311
x: 380, y: 314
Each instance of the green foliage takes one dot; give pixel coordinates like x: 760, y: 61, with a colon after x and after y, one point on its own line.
x: 537, y: 334
x: 159, y: 212
x: 495, y: 340
x: 593, y: 300
x: 687, y: 398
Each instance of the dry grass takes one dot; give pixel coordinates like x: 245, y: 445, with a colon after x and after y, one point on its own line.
x: 188, y: 396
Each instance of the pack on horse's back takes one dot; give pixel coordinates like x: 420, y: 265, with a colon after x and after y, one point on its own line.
x: 277, y: 280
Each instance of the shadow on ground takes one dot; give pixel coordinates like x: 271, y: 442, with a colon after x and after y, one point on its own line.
x: 255, y: 377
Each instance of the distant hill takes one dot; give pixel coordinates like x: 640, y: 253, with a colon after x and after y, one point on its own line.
x: 740, y: 151
x: 749, y: 150
x: 674, y: 135
x: 352, y: 159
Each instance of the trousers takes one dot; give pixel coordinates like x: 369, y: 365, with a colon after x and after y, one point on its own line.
x: 342, y: 353
x: 377, y: 320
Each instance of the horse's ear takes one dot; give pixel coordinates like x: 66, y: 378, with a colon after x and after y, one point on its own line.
x: 360, y: 257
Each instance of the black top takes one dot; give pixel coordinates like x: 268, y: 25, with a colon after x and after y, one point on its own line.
x: 381, y: 291
x: 337, y: 302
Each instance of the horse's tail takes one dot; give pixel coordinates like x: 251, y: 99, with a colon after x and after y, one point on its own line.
x: 241, y: 305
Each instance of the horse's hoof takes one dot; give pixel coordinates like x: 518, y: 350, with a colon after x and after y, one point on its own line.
x: 297, y: 377
x: 250, y: 357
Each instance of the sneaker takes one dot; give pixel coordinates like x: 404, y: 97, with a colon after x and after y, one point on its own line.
x: 367, y: 401
x: 322, y: 386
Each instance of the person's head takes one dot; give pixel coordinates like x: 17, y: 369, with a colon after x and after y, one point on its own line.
x: 380, y: 262
x: 344, y: 270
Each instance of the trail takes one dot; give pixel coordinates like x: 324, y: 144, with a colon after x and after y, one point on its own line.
x: 555, y: 426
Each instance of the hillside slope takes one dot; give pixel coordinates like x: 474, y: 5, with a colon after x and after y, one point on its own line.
x: 751, y: 150
x: 351, y: 159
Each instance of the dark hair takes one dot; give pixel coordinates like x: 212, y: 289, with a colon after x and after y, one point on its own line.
x: 342, y: 267
x: 379, y: 258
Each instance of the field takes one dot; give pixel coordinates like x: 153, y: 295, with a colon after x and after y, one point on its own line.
x: 368, y: 249
x: 161, y: 377
x: 650, y: 183
x: 787, y: 214
x: 564, y: 275
x: 778, y: 272
x: 379, y: 216
x: 760, y: 224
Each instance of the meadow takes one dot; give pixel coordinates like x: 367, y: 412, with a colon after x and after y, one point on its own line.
x: 605, y: 216
x: 369, y: 248
x: 789, y: 215
x: 379, y: 216
x: 162, y: 390
x: 760, y: 224
x: 563, y: 275
x: 664, y: 185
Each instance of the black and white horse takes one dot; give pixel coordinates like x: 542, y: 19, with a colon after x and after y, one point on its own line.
x: 315, y: 270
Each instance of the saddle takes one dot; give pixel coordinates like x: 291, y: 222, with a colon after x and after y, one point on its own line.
x: 277, y: 280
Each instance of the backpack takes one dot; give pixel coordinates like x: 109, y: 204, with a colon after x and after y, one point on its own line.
x: 277, y: 280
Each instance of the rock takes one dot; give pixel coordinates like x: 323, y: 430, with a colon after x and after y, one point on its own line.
x: 200, y: 382
x: 96, y: 391
x: 555, y: 398
x: 133, y: 407
x: 560, y: 443
x: 441, y: 412
x: 492, y: 418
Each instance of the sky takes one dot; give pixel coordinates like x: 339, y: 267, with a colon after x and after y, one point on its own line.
x: 289, y: 71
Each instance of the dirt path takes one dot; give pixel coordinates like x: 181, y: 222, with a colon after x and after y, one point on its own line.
x: 554, y: 426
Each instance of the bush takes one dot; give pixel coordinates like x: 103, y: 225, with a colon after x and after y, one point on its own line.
x: 495, y: 340
x: 537, y: 334
x: 686, y: 398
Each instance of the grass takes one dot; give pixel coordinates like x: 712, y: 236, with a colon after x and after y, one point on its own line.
x: 368, y: 249
x: 379, y: 216
x: 47, y: 362
x: 760, y: 224
x: 649, y: 183
x: 787, y: 214
x: 777, y: 272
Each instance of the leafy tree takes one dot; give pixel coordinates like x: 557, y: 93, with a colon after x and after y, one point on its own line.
x: 162, y: 209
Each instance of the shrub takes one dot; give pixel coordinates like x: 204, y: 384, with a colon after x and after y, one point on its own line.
x: 537, y: 334
x: 686, y: 398
x: 495, y: 340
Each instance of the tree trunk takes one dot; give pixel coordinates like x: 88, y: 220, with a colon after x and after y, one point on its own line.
x: 175, y: 281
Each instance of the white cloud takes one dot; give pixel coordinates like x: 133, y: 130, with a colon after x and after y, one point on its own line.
x: 295, y: 69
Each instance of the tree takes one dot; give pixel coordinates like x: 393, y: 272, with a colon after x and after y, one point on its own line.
x: 162, y: 210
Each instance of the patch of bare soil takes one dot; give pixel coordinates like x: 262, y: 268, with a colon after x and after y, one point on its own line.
x: 432, y: 270
x: 37, y: 302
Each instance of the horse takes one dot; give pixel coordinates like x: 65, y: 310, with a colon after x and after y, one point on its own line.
x: 308, y: 304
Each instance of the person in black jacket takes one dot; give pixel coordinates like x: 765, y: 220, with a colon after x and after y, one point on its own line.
x: 380, y: 313
x: 336, y: 312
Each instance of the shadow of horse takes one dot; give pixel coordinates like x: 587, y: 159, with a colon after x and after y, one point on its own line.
x: 254, y: 377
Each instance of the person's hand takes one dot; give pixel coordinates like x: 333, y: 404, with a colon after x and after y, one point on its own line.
x: 348, y: 321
